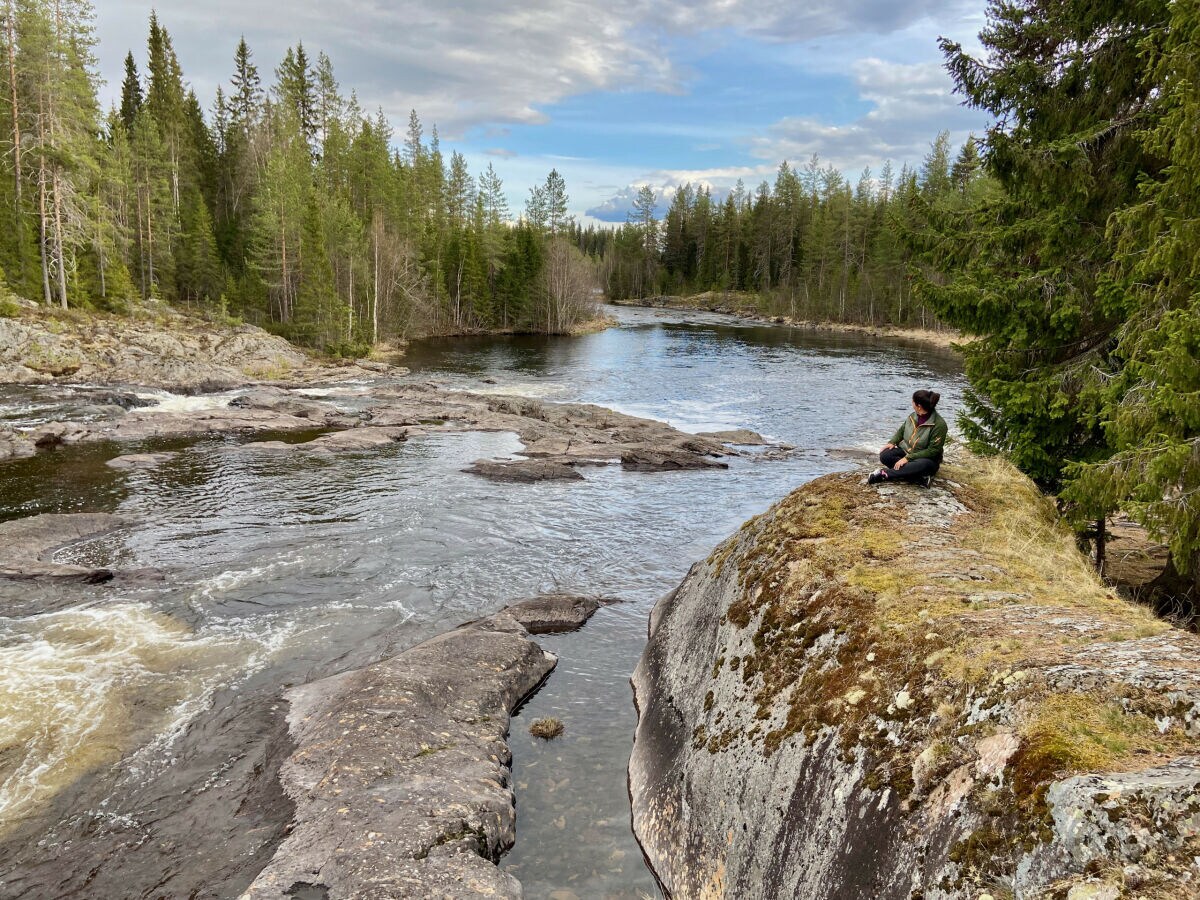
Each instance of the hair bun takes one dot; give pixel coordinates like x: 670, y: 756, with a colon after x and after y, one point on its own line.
x: 934, y: 397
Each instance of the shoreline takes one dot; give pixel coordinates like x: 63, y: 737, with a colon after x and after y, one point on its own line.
x: 945, y: 339
x: 185, y: 353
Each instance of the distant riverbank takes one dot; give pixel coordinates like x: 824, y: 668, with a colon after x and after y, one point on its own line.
x: 746, y: 306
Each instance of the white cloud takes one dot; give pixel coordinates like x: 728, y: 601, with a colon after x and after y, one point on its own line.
x: 471, y: 62
x: 910, y: 105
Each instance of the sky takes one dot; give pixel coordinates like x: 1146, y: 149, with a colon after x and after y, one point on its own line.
x: 614, y: 94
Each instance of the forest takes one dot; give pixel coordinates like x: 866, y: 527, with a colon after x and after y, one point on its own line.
x: 285, y: 205
x: 810, y: 246
x: 1063, y: 243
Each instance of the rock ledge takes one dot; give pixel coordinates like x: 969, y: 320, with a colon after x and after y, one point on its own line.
x: 401, y: 772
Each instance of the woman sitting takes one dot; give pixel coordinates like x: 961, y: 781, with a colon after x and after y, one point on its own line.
x: 915, y: 451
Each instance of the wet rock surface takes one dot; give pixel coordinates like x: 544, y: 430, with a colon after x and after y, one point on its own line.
x: 556, y: 613
x: 140, y: 460
x: 15, y: 445
x: 400, y: 776
x: 559, y: 438
x: 26, y: 546
x: 743, y: 437
x: 525, y: 470
x: 850, y: 698
x: 654, y: 460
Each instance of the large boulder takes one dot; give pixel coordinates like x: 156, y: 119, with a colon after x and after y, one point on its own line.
x: 898, y: 692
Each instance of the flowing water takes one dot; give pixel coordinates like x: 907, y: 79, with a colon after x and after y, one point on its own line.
x: 140, y: 722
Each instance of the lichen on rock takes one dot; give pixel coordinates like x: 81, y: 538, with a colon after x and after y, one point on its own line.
x: 897, y: 692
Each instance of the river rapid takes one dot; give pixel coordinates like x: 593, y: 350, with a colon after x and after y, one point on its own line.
x: 140, y: 722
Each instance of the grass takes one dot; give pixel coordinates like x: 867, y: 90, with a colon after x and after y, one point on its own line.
x: 547, y: 729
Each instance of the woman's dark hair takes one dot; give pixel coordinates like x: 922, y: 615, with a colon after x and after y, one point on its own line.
x: 927, y: 400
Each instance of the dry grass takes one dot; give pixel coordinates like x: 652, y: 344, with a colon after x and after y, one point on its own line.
x: 547, y: 729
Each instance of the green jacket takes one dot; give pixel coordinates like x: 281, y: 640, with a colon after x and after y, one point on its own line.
x: 924, y: 441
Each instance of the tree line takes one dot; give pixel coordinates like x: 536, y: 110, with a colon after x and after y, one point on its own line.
x: 1078, y: 269
x: 285, y: 205
x: 811, y: 245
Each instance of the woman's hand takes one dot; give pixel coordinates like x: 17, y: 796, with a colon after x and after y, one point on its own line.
x: 901, y: 463
x: 888, y: 447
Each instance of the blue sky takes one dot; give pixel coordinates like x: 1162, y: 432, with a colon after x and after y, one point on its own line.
x: 616, y: 94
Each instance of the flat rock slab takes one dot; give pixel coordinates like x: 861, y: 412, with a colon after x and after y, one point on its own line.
x: 648, y: 460
x: 556, y: 613
x: 26, y: 544
x: 401, y: 773
x: 525, y: 470
x: 140, y: 460
x: 742, y: 437
x: 282, y: 401
x: 366, y: 438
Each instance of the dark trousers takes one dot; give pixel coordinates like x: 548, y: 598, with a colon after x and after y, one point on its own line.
x: 913, y: 470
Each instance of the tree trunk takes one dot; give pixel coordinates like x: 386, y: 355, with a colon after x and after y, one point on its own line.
x: 60, y: 250
x: 10, y: 15
x: 43, y: 237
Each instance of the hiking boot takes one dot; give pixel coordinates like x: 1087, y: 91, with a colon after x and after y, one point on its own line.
x: 926, y: 481
x: 876, y: 477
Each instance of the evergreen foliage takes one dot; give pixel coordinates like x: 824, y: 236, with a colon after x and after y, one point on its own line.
x: 810, y: 245
x: 1078, y: 269
x: 285, y: 206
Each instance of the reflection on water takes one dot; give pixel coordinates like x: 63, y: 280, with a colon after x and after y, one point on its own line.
x: 268, y: 570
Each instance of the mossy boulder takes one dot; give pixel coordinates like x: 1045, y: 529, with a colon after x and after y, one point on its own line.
x: 899, y: 692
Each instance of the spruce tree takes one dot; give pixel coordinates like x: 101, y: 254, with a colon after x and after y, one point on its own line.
x: 1065, y: 82
x: 131, y: 93
x: 1151, y: 403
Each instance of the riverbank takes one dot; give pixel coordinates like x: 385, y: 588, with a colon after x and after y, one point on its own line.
x: 156, y: 346
x: 903, y: 692
x: 748, y: 306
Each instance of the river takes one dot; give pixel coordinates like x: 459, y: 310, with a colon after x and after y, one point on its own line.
x: 140, y: 722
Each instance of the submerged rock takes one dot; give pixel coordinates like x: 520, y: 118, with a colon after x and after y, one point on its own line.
x: 822, y: 715
x: 26, y: 545
x: 401, y: 773
x: 140, y: 460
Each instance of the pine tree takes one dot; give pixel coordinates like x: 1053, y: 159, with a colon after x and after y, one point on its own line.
x: 57, y: 83
x: 245, y: 101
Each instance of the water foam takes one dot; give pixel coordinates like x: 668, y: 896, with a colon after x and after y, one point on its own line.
x: 165, y: 401
x: 75, y: 684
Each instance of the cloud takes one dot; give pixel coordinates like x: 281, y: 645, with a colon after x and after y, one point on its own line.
x: 500, y: 153
x: 910, y: 105
x: 468, y: 63
x: 778, y: 22
x: 719, y: 182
